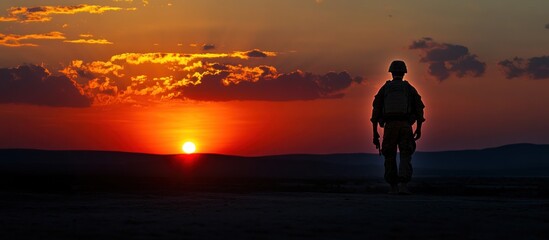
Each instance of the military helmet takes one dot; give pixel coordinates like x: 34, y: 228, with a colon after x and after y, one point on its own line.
x: 398, y: 66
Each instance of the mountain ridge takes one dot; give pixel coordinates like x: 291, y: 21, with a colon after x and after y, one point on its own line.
x: 508, y: 160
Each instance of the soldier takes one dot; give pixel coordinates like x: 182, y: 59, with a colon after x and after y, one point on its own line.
x: 397, y: 106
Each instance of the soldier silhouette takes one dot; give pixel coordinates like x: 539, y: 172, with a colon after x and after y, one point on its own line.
x: 397, y: 106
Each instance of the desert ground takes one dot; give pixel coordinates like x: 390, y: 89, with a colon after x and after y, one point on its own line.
x: 355, y: 211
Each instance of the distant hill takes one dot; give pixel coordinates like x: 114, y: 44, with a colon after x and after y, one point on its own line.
x: 509, y: 160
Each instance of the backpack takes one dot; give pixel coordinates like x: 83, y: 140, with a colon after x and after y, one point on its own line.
x: 396, y: 102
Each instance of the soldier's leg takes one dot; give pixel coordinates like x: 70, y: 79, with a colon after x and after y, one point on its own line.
x: 407, y: 146
x: 389, y: 150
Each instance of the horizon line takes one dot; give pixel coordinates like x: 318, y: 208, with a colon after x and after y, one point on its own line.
x: 251, y: 156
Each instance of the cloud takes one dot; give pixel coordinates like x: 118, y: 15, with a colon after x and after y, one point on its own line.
x: 8, y: 19
x: 184, y: 59
x: 204, y: 77
x: 43, y: 13
x: 422, y: 43
x: 89, y: 41
x: 207, y: 47
x: 14, y: 40
x: 445, y: 59
x: 256, y: 53
x: 78, y: 68
x: 145, y: 2
x: 265, y: 84
x: 547, y: 26
x: 533, y: 68
x: 31, y: 84
x: 164, y: 58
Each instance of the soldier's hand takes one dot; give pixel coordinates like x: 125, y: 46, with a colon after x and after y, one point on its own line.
x: 417, y: 134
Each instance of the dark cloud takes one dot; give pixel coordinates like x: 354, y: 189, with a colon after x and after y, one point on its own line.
x: 533, y: 68
x: 439, y: 70
x: 285, y: 87
x: 207, y: 47
x: 468, y: 65
x: 445, y: 59
x: 449, y: 52
x: 39, y: 9
x: 31, y: 84
x: 547, y: 26
x: 256, y: 53
x: 421, y: 44
x: 512, y: 68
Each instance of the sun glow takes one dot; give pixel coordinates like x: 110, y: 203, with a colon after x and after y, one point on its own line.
x: 188, y: 147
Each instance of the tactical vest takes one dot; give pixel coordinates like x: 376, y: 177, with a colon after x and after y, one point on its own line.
x: 396, y: 102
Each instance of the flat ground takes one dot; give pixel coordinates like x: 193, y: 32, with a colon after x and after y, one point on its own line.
x: 270, y: 215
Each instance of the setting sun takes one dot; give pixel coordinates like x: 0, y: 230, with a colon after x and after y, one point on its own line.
x: 189, y: 147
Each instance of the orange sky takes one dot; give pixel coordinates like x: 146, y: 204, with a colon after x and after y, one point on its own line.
x: 266, y: 77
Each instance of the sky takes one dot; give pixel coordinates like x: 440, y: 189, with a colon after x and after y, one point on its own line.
x: 261, y: 77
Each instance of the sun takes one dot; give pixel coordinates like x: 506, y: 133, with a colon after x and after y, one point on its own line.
x: 189, y: 147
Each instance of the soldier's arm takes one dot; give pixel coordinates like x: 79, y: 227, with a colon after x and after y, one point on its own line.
x: 376, y: 115
x: 377, y: 106
x: 417, y: 133
x: 376, y: 137
x: 418, y: 112
x: 374, y: 130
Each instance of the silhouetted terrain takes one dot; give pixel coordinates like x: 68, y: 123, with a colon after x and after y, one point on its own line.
x: 510, y: 160
x: 494, y: 193
x: 519, y: 165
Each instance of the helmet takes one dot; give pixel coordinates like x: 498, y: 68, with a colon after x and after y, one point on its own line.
x: 398, y: 66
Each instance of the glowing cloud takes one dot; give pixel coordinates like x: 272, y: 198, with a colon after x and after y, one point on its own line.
x: 14, y: 40
x: 145, y: 2
x: 164, y: 58
x: 43, y: 13
x: 8, y: 19
x: 128, y: 77
x: 184, y: 59
x: 89, y: 41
